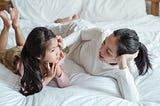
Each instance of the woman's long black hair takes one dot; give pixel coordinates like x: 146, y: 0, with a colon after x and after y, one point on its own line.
x: 128, y: 43
x: 35, y: 46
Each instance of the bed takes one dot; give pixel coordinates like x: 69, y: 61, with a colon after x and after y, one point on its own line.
x: 85, y: 89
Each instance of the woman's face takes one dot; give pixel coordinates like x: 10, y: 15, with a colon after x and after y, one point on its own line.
x: 52, y: 54
x: 108, y: 49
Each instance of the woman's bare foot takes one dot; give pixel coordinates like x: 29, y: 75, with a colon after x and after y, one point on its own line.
x: 15, y: 17
x: 6, y: 21
x: 75, y: 17
x: 63, y: 20
x: 67, y: 19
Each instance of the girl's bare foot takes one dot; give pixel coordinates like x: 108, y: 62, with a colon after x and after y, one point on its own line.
x: 67, y: 19
x: 15, y: 17
x: 7, y: 22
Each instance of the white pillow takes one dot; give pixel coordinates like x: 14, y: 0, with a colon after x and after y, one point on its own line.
x: 47, y: 10
x: 111, y: 10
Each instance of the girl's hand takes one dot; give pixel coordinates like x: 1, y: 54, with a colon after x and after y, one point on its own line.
x: 60, y: 41
x: 58, y: 67
x: 123, y: 59
x: 51, y: 72
x: 58, y: 70
x: 62, y: 57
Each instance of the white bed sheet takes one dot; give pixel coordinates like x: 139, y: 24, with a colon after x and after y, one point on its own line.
x: 87, y: 90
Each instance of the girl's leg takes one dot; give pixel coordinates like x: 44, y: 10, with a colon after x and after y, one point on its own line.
x: 20, y: 40
x: 5, y: 31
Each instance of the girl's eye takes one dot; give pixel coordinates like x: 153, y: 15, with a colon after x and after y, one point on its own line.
x: 52, y: 50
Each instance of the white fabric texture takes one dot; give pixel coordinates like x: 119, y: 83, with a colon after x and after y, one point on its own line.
x: 91, y: 10
x: 85, y: 89
x: 88, y: 90
x: 111, y: 10
x: 47, y: 10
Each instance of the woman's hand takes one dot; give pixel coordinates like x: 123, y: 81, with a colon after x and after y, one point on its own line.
x: 123, y: 59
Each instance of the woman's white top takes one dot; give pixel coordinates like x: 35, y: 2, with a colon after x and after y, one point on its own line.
x: 85, y: 52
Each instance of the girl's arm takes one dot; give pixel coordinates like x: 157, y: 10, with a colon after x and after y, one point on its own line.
x: 62, y: 79
x: 60, y: 75
x: 46, y: 80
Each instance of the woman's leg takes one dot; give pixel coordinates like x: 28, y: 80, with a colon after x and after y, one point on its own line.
x: 67, y: 19
x: 67, y: 26
x: 5, y: 31
x: 20, y: 40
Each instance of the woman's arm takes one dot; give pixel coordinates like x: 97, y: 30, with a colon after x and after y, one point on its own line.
x: 70, y: 39
x: 83, y: 35
x: 127, y: 85
x: 76, y: 31
x: 125, y: 82
x: 125, y: 79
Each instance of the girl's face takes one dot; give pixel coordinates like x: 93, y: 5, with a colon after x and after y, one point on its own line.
x: 108, y: 49
x: 52, y: 54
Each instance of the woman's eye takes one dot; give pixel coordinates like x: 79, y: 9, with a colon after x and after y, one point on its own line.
x: 108, y: 52
x: 103, y: 42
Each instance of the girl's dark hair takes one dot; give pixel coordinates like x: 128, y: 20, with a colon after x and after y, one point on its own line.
x: 128, y: 43
x: 35, y: 46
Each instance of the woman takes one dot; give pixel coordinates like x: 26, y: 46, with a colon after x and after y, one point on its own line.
x: 107, y: 53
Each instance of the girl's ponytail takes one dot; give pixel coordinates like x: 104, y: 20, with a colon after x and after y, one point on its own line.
x: 142, y: 60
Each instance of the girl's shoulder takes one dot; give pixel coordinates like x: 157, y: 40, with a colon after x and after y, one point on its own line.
x: 19, y: 67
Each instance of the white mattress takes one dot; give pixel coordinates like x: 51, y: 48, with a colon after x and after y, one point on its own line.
x: 87, y: 90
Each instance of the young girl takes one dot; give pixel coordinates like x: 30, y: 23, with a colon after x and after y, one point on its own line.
x: 38, y: 60
x: 107, y: 53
